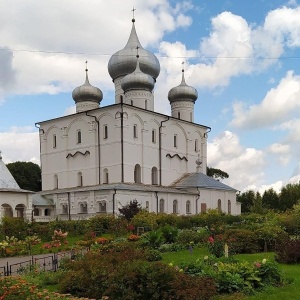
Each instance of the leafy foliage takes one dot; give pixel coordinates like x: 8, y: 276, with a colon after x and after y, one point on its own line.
x: 216, y: 173
x: 27, y: 175
x: 130, y: 210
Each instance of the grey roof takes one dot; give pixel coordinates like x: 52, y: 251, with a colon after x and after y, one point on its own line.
x: 200, y: 180
x: 40, y: 200
x: 7, y: 181
x: 121, y: 186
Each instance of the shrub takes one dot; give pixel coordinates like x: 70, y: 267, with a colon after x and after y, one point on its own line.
x: 145, y: 219
x: 216, y: 245
x: 170, y: 233
x: 287, y: 249
x: 241, y: 241
x: 186, y: 236
x: 152, y: 239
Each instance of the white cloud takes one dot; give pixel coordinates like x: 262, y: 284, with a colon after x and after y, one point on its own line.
x: 20, y: 144
x: 244, y: 165
x: 278, y: 105
x: 70, y: 110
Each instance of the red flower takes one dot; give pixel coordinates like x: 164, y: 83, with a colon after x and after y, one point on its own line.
x: 211, y: 239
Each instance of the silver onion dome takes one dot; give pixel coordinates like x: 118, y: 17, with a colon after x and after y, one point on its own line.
x: 123, y: 62
x: 182, y: 92
x: 137, y: 80
x: 87, y: 92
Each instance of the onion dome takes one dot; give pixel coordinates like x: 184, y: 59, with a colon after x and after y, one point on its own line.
x: 138, y: 80
x: 123, y: 62
x: 182, y: 92
x: 87, y: 92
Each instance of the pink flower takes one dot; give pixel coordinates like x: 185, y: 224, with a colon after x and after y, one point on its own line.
x: 257, y: 265
x: 211, y: 239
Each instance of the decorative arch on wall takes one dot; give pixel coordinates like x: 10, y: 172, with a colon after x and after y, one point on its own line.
x: 175, y: 206
x: 139, y: 118
x: 7, y: 210
x: 137, y: 174
x: 188, y: 207
x: 161, y: 205
x: 154, y: 176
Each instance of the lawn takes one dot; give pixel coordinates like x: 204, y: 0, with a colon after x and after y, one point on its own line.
x: 286, y: 292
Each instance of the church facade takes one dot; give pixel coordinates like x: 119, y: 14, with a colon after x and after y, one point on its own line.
x: 100, y: 158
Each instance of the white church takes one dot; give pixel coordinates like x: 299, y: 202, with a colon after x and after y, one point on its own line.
x: 100, y: 158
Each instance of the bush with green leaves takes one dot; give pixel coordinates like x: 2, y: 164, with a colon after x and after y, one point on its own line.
x: 188, y: 236
x: 153, y: 239
x: 170, y: 233
x: 242, y: 241
x: 287, y: 249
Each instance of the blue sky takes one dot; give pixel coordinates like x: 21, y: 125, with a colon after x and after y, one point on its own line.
x: 242, y: 57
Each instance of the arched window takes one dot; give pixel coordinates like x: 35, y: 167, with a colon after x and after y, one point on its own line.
x: 188, y: 207
x: 154, y: 179
x: 196, y: 145
x: 147, y: 205
x: 79, y: 179
x: 121, y: 99
x: 153, y: 136
x: 179, y: 115
x: 55, y: 181
x: 191, y: 116
x: 65, y: 209
x: 78, y: 136
x: 54, y: 141
x: 83, y: 208
x: 175, y: 140
x: 131, y: 102
x: 105, y: 176
x: 135, y: 133
x: 137, y: 173
x: 229, y: 207
x: 219, y: 206
x: 175, y: 207
x: 36, y: 212
x: 102, y: 207
x: 20, y: 208
x: 105, y: 132
x: 146, y: 104
x: 161, y: 205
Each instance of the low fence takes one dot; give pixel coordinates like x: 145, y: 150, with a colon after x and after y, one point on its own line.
x: 50, y: 262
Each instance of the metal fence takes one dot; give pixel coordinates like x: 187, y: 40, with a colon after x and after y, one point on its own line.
x: 51, y: 262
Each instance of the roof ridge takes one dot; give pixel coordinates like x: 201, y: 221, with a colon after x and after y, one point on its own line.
x: 179, y: 179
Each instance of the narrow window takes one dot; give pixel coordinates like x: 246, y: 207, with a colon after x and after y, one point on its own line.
x: 191, y: 116
x: 229, y: 207
x: 65, y: 209
x: 175, y: 207
x: 102, y: 207
x: 153, y: 136
x: 188, y: 207
x: 179, y: 115
x: 147, y: 205
x: 196, y: 145
x: 146, y: 104
x: 55, y: 181
x: 137, y: 173
x: 105, y: 176
x: 79, y: 179
x: 175, y: 140
x: 47, y: 212
x: 154, y: 176
x: 219, y: 206
x: 161, y: 205
x: 105, y: 133
x: 131, y: 102
x: 135, y: 131
x: 83, y: 208
x: 78, y: 137
x: 54, y: 141
x: 121, y: 99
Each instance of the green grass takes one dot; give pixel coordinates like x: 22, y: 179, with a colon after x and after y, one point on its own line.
x: 289, y: 291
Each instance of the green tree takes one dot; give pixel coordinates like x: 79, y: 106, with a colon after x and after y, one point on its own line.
x: 26, y: 174
x: 289, y: 196
x: 216, y: 173
x: 270, y: 199
x: 257, y: 206
x: 130, y: 210
x: 247, y: 200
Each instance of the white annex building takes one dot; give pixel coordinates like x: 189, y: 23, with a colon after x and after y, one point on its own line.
x: 100, y: 158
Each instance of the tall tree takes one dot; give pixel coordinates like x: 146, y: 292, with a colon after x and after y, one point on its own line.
x: 130, y: 210
x: 26, y: 174
x: 247, y: 200
x: 216, y: 173
x: 270, y: 199
x: 289, y: 196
